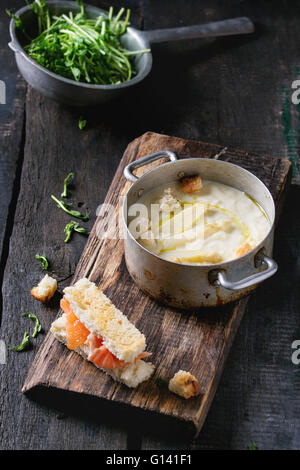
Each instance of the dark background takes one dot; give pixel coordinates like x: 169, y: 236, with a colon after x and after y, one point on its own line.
x: 231, y: 91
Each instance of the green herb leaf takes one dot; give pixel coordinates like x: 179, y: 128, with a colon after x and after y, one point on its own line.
x: 40, y: 8
x: 43, y: 260
x: 18, y: 23
x: 252, y: 446
x: 24, y: 345
x: 66, y: 182
x: 62, y: 205
x: 82, y: 123
x: 17, y: 19
x: 33, y: 317
x: 160, y: 382
x: 73, y: 226
x: 80, y: 3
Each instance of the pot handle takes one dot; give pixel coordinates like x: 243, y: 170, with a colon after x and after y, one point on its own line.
x: 15, y: 47
x: 219, y: 278
x: 144, y: 161
x: 242, y: 25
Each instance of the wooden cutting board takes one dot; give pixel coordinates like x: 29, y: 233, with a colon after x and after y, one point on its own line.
x: 197, y: 341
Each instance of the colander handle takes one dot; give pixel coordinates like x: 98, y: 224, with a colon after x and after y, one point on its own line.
x: 241, y: 25
x: 220, y: 277
x: 144, y: 161
x: 15, y: 46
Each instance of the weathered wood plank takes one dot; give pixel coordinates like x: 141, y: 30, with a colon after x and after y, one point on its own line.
x: 237, y: 91
x: 210, y: 332
x: 11, y: 134
x: 54, y: 146
x: 225, y: 90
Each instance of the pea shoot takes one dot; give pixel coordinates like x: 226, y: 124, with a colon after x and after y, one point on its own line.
x: 43, y: 260
x: 66, y: 182
x: 73, y: 226
x: 33, y: 317
x: 252, y: 446
x: 18, y: 23
x: 25, y: 341
x: 82, y: 123
x: 22, y: 346
x: 160, y: 382
x: 64, y: 206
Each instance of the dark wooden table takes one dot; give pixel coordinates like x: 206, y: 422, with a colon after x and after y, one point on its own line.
x: 232, y: 91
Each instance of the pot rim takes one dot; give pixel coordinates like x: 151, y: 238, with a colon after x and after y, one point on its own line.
x: 217, y: 266
x: 20, y: 49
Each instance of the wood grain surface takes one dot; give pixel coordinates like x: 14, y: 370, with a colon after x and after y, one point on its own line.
x: 12, y: 119
x: 197, y: 341
x: 234, y: 91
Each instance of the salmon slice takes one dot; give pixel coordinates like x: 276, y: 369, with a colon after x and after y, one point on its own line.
x: 100, y: 355
x: 77, y: 333
x: 65, y: 306
x: 103, y: 358
x: 143, y: 355
x: 93, y: 341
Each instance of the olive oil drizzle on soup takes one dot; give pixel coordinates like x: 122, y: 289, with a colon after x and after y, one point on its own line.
x: 210, y: 225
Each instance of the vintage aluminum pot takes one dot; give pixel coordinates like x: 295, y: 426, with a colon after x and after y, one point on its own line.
x: 192, y: 286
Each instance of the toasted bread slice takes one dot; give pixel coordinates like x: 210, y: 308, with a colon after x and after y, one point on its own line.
x: 101, y: 317
x: 45, y: 290
x: 131, y: 375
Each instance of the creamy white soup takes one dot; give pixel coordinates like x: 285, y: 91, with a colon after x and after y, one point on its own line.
x: 195, y: 221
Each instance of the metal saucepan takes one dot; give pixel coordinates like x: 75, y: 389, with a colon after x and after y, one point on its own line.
x: 192, y: 286
x: 82, y: 94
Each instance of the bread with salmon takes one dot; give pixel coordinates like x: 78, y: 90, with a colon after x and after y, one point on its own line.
x: 93, y: 327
